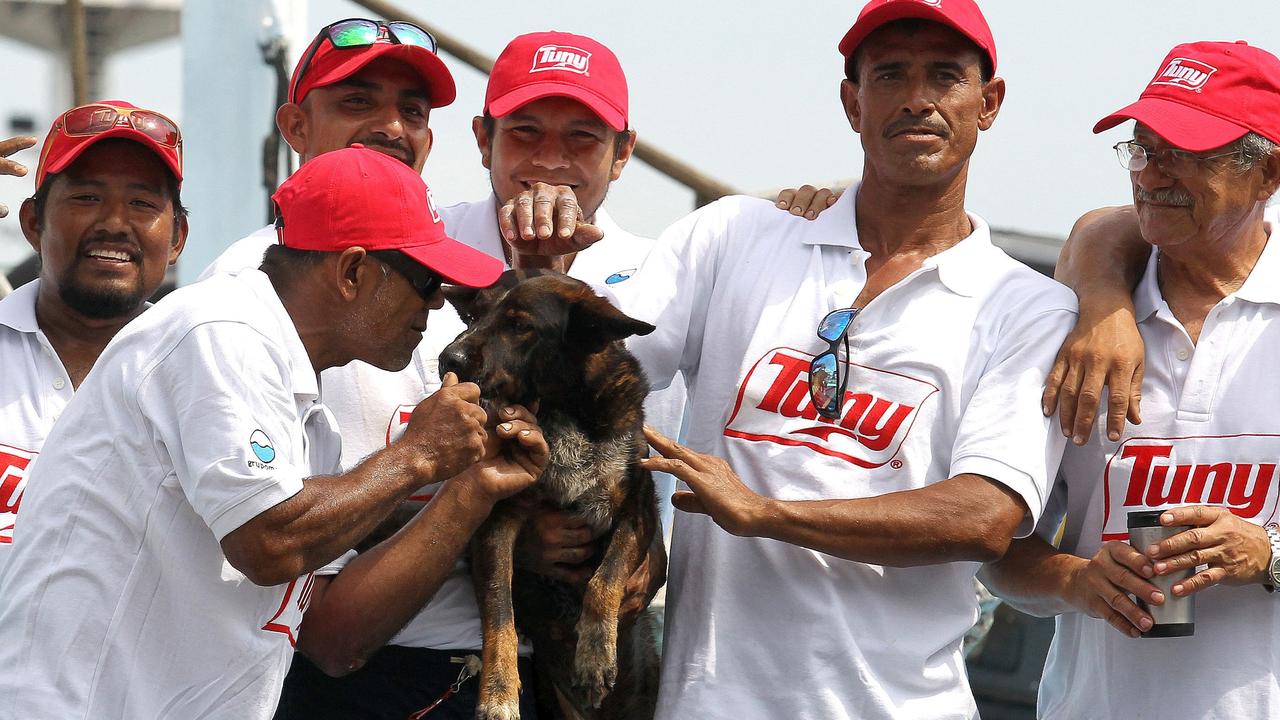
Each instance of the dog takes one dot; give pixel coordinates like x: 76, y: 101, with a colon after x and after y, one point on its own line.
x: 546, y: 341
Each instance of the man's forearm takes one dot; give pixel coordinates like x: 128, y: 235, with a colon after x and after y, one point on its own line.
x: 967, y: 517
x: 1104, y: 255
x: 1033, y: 577
x: 380, y: 590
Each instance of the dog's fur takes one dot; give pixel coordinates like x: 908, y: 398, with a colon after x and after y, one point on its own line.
x: 543, y: 338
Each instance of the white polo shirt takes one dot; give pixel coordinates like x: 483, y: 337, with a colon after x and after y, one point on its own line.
x: 33, y: 393
x: 374, y: 405
x: 947, y: 368
x: 119, y: 603
x: 1210, y: 435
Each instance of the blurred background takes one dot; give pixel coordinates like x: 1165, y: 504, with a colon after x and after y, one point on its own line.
x: 730, y: 95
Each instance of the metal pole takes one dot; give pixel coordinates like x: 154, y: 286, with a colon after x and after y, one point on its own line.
x: 705, y: 187
x: 79, y: 52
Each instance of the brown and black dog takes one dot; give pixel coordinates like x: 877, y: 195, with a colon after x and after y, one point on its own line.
x: 545, y: 340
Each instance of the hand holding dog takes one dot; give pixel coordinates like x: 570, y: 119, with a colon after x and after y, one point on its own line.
x: 1236, y: 551
x: 714, y: 488
x: 446, y: 430
x: 515, y: 455
x: 545, y: 221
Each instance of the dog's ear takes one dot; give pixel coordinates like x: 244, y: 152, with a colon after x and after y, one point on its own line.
x: 594, y: 323
x: 464, y: 300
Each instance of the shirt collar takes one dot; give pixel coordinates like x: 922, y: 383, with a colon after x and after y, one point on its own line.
x: 964, y: 268
x: 18, y: 309
x: 1146, y: 297
x: 302, y: 373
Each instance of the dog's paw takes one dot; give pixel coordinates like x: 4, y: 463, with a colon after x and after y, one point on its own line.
x: 509, y: 710
x: 595, y: 665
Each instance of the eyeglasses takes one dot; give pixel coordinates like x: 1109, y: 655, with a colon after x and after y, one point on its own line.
x: 826, y: 382
x: 360, y: 33
x: 1172, y: 162
x: 425, y: 282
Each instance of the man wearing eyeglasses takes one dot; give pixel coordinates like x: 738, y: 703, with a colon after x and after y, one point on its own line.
x: 170, y: 537
x: 823, y: 567
x: 107, y: 221
x: 1204, y: 160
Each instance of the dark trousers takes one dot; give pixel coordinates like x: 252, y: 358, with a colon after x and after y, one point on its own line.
x: 396, y: 682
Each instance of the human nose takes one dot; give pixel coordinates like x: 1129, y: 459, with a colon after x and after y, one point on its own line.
x: 113, y: 217
x: 1152, y: 175
x: 389, y: 123
x: 550, y: 153
x: 919, y: 99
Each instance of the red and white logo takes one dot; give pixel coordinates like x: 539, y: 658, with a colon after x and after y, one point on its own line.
x: 561, y: 57
x: 293, y: 606
x: 13, y: 481
x: 1185, y: 73
x: 1237, y: 472
x: 431, y: 205
x: 880, y: 407
x: 395, y: 429
x: 932, y: 3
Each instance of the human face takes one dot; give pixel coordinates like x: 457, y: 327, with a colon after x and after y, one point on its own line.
x: 394, y: 315
x: 554, y: 140
x: 108, y: 232
x: 920, y: 102
x: 385, y: 106
x: 1204, y: 206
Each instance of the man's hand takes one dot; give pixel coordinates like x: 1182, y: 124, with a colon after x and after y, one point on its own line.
x: 1102, y: 350
x: 807, y: 201
x: 515, y: 455
x: 558, y: 545
x: 447, y: 430
x: 545, y: 221
x: 1236, y: 551
x: 12, y: 167
x: 1100, y: 587
x: 714, y: 488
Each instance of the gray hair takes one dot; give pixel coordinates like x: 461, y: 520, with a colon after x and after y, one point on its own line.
x: 1252, y: 149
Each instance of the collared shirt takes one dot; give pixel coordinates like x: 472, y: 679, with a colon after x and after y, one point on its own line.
x: 946, y: 371
x: 1210, y: 435
x: 34, y: 390
x: 119, y: 603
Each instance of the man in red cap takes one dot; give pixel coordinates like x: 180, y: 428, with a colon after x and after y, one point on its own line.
x: 107, y: 221
x: 175, y: 523
x: 1204, y: 159
x: 556, y: 116
x: 844, y: 484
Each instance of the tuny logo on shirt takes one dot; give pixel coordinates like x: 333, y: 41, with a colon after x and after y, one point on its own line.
x: 13, y: 481
x: 262, y: 449
x: 1185, y: 73
x: 395, y: 429
x: 1237, y: 472
x: 880, y: 407
x: 619, y: 276
x: 561, y: 57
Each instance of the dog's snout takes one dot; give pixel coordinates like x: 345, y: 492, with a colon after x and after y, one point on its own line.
x: 454, y: 359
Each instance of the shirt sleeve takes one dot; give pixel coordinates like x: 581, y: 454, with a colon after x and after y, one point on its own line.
x: 224, y: 413
x: 1003, y: 434
x: 671, y: 291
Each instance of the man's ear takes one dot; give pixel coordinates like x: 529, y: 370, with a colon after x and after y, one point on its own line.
x: 30, y: 224
x: 622, y: 155
x: 594, y: 323
x: 1270, y: 175
x: 483, y: 141
x: 354, y: 272
x: 849, y: 101
x: 179, y: 239
x: 291, y: 120
x: 992, y: 100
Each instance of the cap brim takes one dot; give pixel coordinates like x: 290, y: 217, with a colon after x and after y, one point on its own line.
x: 457, y: 263
x: 1179, y: 125
x: 525, y: 94
x: 169, y: 156
x: 439, y: 81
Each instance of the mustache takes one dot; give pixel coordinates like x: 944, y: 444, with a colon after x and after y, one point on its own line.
x: 932, y: 124
x: 399, y: 149
x: 1164, y: 196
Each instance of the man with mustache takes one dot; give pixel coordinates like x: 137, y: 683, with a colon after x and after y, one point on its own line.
x: 107, y: 221
x: 1204, y: 160
x: 843, y: 488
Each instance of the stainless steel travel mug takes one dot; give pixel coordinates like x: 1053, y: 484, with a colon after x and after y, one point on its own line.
x: 1176, y: 617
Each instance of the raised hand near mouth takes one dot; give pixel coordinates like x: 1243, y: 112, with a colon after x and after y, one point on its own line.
x: 543, y: 224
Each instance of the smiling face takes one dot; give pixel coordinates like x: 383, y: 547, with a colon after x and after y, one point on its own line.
x: 108, y: 230
x: 1208, y: 204
x: 555, y: 140
x: 384, y: 106
x: 919, y: 102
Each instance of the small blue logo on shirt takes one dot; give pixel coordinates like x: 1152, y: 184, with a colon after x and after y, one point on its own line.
x: 262, y: 447
x: 619, y: 276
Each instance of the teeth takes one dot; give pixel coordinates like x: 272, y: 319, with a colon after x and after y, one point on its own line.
x: 110, y: 255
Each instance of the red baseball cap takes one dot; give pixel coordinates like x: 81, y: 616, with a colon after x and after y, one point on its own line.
x: 548, y: 64
x: 1208, y: 94
x: 77, y: 129
x: 324, y: 64
x: 963, y: 16
x: 360, y: 197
